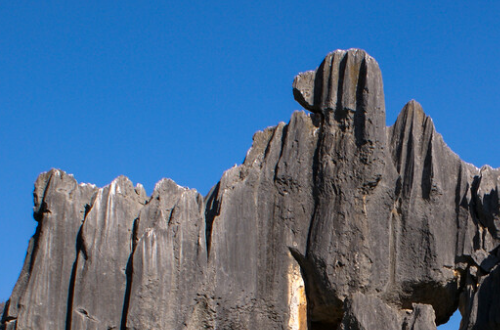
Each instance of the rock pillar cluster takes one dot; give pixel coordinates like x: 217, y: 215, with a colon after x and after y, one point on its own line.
x: 333, y: 221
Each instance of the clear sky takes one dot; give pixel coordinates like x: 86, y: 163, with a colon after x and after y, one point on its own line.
x: 154, y: 89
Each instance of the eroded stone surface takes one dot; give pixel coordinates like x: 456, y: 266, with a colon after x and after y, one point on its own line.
x: 40, y: 298
x: 169, y: 260
x: 333, y: 221
x: 100, y: 279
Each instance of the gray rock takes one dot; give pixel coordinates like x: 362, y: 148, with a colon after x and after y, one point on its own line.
x: 333, y: 221
x: 365, y: 312
x: 169, y: 259
x: 106, y: 236
x: 257, y: 213
x: 41, y: 296
x: 347, y: 251
x: 421, y: 317
x: 482, y: 302
x: 430, y: 214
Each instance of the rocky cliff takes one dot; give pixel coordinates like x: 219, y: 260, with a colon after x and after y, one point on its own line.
x: 333, y: 221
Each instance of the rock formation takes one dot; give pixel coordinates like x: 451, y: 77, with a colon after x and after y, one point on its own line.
x: 333, y: 221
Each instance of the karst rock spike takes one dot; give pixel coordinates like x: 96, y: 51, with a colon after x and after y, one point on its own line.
x: 333, y: 221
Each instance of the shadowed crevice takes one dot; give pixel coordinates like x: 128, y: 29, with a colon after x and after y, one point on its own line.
x: 129, y: 271
x: 80, y: 247
x: 72, y: 279
x: 340, y: 114
x: 212, y: 210
x: 324, y: 311
x: 360, y: 115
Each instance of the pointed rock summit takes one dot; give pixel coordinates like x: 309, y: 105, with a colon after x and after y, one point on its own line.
x: 333, y: 221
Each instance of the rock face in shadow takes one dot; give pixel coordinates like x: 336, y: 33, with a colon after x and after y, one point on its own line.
x: 333, y: 221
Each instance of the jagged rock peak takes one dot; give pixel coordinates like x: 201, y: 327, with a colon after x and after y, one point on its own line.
x: 333, y: 221
x: 413, y: 114
x: 345, y: 80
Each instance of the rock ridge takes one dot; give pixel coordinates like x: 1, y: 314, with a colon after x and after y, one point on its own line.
x: 333, y: 221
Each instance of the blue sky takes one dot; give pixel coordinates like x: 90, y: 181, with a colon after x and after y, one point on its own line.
x: 176, y: 89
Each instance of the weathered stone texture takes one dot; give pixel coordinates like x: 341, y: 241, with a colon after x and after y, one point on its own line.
x: 42, y: 293
x: 99, y: 282
x: 333, y: 221
x: 168, y: 264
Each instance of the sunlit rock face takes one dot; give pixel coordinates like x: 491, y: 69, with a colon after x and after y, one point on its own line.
x: 333, y: 221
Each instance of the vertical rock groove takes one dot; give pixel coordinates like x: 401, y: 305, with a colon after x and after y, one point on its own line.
x: 71, y: 285
x: 212, y: 210
x: 129, y: 271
